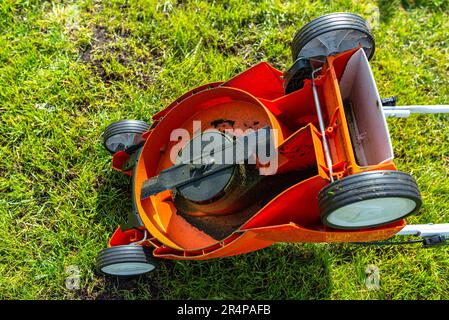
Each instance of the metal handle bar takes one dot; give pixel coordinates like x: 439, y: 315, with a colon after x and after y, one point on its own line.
x: 425, y: 230
x: 327, y: 153
x: 405, y: 111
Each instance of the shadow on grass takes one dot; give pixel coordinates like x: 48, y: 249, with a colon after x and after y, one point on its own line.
x: 283, y: 271
x: 388, y: 8
x: 113, y: 199
x: 433, y: 5
x: 280, y: 272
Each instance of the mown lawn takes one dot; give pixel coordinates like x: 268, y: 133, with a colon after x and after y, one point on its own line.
x: 68, y: 69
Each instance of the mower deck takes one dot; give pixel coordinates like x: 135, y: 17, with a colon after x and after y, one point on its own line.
x: 330, y: 175
x: 289, y: 213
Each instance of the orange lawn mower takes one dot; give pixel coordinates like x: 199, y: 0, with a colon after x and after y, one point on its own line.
x: 265, y: 157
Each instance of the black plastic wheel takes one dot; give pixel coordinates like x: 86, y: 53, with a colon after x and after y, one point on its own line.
x: 295, y: 76
x: 369, y: 199
x: 126, y: 261
x: 124, y: 135
x: 331, y: 34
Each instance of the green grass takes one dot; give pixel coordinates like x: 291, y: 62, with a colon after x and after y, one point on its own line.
x: 68, y: 69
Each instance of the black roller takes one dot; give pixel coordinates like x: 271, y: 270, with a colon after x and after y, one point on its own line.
x: 337, y: 33
x: 126, y: 261
x: 369, y: 199
x: 124, y: 135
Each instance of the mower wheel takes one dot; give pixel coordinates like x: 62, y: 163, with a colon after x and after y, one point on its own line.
x: 295, y: 76
x: 126, y: 261
x: 369, y: 199
x: 124, y: 135
x: 332, y: 34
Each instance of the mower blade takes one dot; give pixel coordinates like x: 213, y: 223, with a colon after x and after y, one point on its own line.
x: 178, y: 176
x: 151, y: 187
x: 185, y: 173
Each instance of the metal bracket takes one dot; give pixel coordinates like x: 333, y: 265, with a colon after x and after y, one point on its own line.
x: 327, y: 153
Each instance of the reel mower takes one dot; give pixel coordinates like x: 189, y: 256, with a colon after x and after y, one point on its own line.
x: 268, y: 156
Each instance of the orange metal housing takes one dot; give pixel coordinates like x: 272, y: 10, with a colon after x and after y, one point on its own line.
x: 255, y: 98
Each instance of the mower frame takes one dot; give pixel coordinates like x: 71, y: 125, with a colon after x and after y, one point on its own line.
x: 317, y: 131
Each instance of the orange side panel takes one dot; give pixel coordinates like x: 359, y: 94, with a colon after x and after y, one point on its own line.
x: 294, y: 233
x: 246, y: 242
x: 297, y: 204
x: 118, y: 160
x: 125, y: 237
x: 262, y: 81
